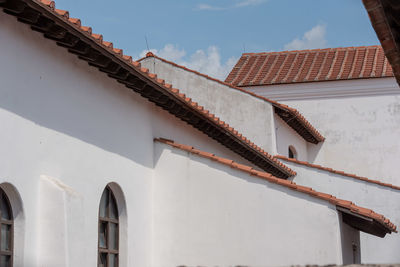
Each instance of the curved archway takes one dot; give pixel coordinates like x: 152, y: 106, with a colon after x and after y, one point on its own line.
x: 18, y: 223
x: 112, y: 228
x: 292, y: 153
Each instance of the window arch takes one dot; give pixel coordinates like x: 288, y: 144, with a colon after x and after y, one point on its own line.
x: 6, y: 231
x: 108, y: 240
x: 292, y: 154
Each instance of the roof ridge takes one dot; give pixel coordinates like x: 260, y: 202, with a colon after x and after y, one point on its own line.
x: 312, y: 50
x: 289, y: 184
x: 320, y: 167
x: 293, y: 111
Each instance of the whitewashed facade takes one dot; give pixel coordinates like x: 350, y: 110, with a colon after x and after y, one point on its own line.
x: 351, y: 116
x: 360, y: 120
x: 69, y: 131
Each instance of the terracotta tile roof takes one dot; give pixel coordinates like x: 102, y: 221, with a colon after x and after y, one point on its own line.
x: 384, y: 18
x: 390, y: 227
x: 344, y: 63
x: 311, y: 165
x: 69, y: 32
x: 290, y: 115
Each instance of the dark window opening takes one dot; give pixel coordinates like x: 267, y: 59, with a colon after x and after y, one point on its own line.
x: 108, y: 230
x: 6, y: 231
x: 292, y: 153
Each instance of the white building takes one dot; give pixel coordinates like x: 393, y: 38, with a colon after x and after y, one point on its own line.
x: 353, y: 99
x: 349, y: 94
x: 90, y: 174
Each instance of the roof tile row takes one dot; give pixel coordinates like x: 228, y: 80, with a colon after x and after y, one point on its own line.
x: 161, y: 83
x: 294, y: 112
x: 255, y: 69
x: 289, y: 184
x: 311, y: 165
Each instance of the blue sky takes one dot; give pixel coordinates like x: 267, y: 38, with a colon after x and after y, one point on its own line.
x: 210, y: 35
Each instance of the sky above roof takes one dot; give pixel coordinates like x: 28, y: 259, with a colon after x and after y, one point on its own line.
x: 210, y: 35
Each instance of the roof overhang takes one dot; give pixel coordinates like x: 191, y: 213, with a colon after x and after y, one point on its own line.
x: 360, y: 218
x: 69, y: 33
x: 385, y: 18
x: 288, y: 114
x: 364, y: 224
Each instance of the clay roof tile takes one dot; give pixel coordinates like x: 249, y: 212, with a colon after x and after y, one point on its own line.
x: 62, y: 13
x: 310, y: 66
x: 337, y: 172
x: 289, y: 184
x: 49, y: 3
x: 308, y: 128
x: 144, y: 74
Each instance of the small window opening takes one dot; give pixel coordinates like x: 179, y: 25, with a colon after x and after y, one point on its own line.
x: 292, y: 153
x: 6, y: 233
x: 108, y: 230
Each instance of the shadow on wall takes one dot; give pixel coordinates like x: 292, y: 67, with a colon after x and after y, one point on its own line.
x: 46, y: 85
x: 238, y: 174
x: 350, y: 241
x: 313, y: 151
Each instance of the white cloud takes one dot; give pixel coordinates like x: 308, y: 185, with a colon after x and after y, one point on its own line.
x: 209, y: 7
x: 314, y: 38
x: 249, y: 3
x: 242, y: 3
x: 169, y: 51
x: 204, y: 61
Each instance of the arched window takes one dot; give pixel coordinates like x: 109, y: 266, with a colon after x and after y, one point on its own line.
x: 6, y: 231
x: 292, y: 153
x: 108, y: 230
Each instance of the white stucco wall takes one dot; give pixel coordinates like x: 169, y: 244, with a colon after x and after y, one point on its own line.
x: 207, y: 214
x: 67, y: 131
x: 359, y: 118
x: 249, y: 115
x: 350, y: 244
x: 381, y: 199
x: 286, y: 136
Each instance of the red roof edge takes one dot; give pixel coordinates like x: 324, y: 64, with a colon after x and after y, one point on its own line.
x: 294, y: 115
x: 343, y: 204
x: 67, y: 32
x: 316, y: 166
x: 383, y: 16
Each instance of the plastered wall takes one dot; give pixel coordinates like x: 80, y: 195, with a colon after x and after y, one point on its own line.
x: 381, y: 199
x: 360, y: 120
x: 207, y: 214
x: 68, y: 130
x: 252, y: 117
x: 286, y: 136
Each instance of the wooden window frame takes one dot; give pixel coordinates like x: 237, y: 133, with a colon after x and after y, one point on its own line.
x: 10, y: 252
x: 107, y: 220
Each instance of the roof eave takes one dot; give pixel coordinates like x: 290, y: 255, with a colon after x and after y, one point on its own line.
x: 289, y: 115
x: 363, y: 223
x: 360, y: 218
x: 45, y: 19
x: 384, y: 16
